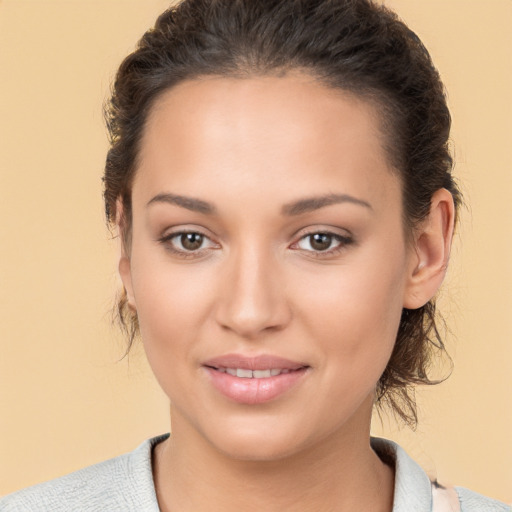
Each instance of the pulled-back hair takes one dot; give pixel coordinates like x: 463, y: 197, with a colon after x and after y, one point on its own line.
x: 354, y: 45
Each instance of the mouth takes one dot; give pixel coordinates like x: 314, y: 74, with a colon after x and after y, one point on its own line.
x: 254, y: 380
x: 261, y: 363
x: 245, y: 373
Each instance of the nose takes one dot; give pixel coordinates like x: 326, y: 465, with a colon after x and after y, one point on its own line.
x: 252, y: 299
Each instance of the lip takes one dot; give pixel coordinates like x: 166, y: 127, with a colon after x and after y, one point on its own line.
x: 261, y: 362
x: 252, y: 391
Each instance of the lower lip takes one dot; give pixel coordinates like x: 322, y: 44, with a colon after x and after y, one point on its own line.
x: 254, y: 391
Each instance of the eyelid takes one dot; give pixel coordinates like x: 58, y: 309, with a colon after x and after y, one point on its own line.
x: 180, y: 229
x: 345, y: 240
x: 170, y: 233
x: 326, y: 230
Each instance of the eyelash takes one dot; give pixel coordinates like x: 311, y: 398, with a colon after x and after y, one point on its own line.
x: 343, y: 242
x: 166, y: 240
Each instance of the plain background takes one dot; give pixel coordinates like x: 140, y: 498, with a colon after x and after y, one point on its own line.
x: 65, y: 401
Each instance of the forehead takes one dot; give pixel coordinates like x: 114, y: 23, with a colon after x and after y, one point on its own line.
x: 288, y: 132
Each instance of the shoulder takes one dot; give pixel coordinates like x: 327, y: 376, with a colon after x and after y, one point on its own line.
x: 122, y: 483
x: 473, y: 502
x: 413, y: 488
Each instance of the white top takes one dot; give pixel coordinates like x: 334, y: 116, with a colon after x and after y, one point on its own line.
x: 125, y: 484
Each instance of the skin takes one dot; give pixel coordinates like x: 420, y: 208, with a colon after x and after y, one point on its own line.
x: 251, y: 148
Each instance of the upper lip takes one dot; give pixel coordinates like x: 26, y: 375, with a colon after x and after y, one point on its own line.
x: 261, y: 362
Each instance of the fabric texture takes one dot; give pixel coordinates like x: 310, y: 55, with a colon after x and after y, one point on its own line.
x: 125, y: 483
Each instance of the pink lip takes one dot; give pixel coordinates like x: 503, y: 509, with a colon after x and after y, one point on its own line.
x: 254, y: 391
x: 262, y: 362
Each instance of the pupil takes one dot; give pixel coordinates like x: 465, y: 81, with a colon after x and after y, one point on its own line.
x: 320, y: 241
x: 191, y: 241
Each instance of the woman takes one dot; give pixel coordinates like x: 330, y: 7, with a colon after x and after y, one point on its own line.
x: 281, y: 182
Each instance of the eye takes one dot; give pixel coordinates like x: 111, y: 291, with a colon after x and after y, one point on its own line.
x: 189, y: 242
x: 323, y: 242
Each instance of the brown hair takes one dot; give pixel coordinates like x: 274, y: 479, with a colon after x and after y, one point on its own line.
x: 353, y: 45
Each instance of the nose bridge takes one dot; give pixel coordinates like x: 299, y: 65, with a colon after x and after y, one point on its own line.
x: 254, y: 297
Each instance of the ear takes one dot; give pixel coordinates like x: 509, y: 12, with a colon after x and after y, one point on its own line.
x: 125, y: 269
x: 431, y: 251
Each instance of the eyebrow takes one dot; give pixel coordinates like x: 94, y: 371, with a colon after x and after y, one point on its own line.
x: 190, y: 203
x: 310, y: 204
x: 299, y: 207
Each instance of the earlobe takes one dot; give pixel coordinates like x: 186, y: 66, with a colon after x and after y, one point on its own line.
x: 431, y: 251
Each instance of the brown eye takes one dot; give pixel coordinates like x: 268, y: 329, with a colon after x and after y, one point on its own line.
x: 189, y: 244
x: 191, y: 241
x: 320, y: 241
x: 323, y: 242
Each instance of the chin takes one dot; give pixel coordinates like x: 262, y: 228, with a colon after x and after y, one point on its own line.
x: 249, y: 437
x: 260, y: 439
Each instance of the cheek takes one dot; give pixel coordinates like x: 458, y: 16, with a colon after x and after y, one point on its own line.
x: 354, y: 313
x: 173, y: 304
x: 167, y: 293
x: 165, y: 304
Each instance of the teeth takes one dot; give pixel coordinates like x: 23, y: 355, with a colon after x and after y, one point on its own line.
x: 253, y: 374
x: 260, y: 374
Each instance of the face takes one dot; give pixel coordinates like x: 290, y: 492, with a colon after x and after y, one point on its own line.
x: 268, y: 266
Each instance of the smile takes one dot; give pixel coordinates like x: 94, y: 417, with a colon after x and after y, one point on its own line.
x: 254, y: 380
x: 254, y: 374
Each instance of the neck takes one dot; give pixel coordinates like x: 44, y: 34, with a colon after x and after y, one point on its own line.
x: 339, y: 474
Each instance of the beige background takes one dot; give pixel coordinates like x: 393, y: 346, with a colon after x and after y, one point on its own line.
x: 64, y: 401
